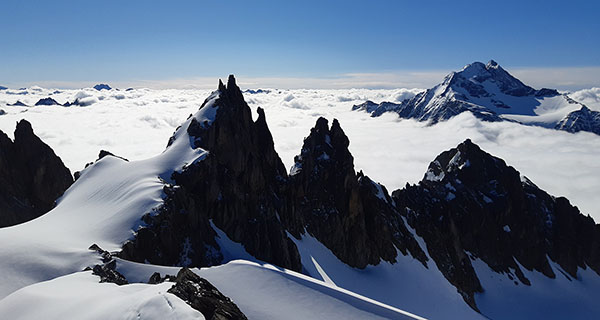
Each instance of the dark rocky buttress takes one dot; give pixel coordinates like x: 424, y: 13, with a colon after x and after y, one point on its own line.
x: 470, y: 204
x: 32, y: 176
x: 243, y: 188
x: 349, y: 213
x: 238, y: 186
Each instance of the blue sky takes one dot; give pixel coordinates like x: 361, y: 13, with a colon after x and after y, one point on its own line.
x: 73, y: 42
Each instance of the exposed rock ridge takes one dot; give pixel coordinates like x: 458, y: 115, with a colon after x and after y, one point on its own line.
x: 204, y: 297
x: 32, y: 177
x: 470, y: 204
x: 348, y: 212
x: 583, y: 119
x: 237, y: 187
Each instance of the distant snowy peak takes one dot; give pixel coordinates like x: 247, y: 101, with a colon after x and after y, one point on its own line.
x: 474, y: 78
x: 486, y: 90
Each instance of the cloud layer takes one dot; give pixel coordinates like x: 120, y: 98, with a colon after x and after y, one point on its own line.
x: 137, y: 124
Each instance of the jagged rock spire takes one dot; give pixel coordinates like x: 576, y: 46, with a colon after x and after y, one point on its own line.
x: 348, y: 212
x: 32, y: 177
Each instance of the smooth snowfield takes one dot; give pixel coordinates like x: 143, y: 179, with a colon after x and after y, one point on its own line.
x: 137, y: 124
x: 560, y: 298
x: 80, y: 296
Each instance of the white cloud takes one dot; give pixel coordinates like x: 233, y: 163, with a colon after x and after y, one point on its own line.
x: 589, y: 97
x: 388, y: 149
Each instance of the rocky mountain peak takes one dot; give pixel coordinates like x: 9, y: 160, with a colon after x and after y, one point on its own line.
x: 325, y: 149
x: 492, y: 64
x: 237, y: 186
x: 478, y: 73
x: 348, y: 212
x: 485, y: 210
x: 24, y: 130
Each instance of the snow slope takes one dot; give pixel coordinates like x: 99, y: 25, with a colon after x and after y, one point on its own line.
x: 80, y: 296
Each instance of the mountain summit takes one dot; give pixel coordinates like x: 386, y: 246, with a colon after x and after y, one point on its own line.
x: 487, y: 91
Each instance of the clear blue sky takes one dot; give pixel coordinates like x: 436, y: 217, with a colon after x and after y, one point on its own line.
x: 132, y: 40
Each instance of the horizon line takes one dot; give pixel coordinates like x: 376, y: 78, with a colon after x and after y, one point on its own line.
x: 562, y: 78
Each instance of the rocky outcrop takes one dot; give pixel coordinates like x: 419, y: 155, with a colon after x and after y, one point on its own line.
x: 32, y: 177
x: 583, y: 119
x: 197, y: 292
x: 470, y: 204
x: 204, y: 297
x: 107, y: 271
x: 348, y: 212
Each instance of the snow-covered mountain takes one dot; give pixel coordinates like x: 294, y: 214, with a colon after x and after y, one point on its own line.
x: 323, y: 241
x: 490, y: 93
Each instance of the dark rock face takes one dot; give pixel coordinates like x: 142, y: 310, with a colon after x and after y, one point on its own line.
x: 237, y: 185
x: 472, y: 205
x: 348, y: 212
x: 583, y: 119
x: 102, y: 86
x: 2, y: 112
x: 47, y: 102
x: 3, y: 88
x: 243, y: 188
x: 32, y: 177
x: 204, y: 297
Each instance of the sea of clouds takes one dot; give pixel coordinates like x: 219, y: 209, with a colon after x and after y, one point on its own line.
x: 136, y: 124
